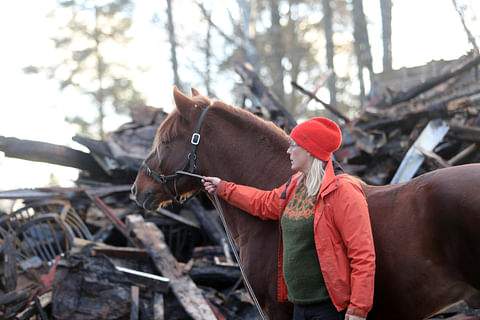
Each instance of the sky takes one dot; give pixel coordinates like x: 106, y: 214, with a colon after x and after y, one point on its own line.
x: 32, y: 108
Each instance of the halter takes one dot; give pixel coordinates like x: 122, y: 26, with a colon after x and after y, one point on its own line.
x: 189, y: 167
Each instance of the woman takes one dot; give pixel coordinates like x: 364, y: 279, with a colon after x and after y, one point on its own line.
x: 327, y: 257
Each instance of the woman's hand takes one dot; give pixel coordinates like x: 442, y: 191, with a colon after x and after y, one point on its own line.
x: 352, y: 317
x: 210, y: 183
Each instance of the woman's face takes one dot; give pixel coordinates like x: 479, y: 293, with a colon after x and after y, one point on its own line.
x: 301, y: 160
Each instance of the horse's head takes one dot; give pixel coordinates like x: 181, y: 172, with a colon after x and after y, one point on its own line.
x: 174, y: 148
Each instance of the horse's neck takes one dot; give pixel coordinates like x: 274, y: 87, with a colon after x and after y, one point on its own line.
x: 249, y: 161
x: 258, y: 158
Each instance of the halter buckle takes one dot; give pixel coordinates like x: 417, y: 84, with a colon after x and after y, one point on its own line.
x: 195, y: 139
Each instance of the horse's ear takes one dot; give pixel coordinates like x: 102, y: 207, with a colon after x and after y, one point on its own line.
x: 183, y: 102
x: 195, y: 92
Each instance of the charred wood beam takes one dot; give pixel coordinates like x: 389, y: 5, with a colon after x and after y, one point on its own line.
x: 41, y: 313
x: 262, y: 92
x: 464, y: 133
x: 117, y: 223
x: 215, y: 276
x: 134, y: 307
x: 438, y: 110
x: 212, y: 228
x: 175, y: 217
x: 435, y: 111
x: 329, y: 107
x: 27, y: 314
x: 158, y: 308
x: 182, y: 285
x: 432, y: 82
x: 50, y: 153
x: 9, y: 263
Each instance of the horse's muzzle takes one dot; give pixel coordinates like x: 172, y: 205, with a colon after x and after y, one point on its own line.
x: 146, y: 199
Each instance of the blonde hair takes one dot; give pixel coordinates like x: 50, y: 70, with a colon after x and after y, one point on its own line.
x: 314, y: 177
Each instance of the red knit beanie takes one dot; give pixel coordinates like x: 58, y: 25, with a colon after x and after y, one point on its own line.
x: 319, y: 136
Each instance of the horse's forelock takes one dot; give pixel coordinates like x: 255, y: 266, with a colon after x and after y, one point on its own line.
x: 167, y: 129
x: 201, y: 101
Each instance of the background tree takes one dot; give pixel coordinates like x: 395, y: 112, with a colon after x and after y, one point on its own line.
x: 362, y: 47
x: 386, y: 11
x: 173, y: 45
x: 461, y: 12
x: 90, y: 44
x: 328, y: 27
x: 277, y: 50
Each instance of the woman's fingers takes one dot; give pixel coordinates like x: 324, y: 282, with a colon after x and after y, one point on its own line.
x: 210, y: 183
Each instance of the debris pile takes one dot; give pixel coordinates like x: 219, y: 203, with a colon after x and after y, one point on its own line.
x: 432, y: 125
x: 91, y: 253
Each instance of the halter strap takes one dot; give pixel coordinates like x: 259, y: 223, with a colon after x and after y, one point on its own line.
x: 189, y: 166
x: 195, y: 140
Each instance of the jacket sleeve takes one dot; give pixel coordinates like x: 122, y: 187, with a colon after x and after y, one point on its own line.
x: 267, y: 205
x: 353, y: 222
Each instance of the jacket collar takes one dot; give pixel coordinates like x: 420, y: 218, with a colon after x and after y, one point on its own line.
x: 329, y: 178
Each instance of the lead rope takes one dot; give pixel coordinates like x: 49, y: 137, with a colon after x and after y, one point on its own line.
x: 230, y: 241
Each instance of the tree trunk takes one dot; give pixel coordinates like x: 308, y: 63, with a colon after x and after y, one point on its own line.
x: 362, y: 47
x: 327, y: 20
x: 278, y: 52
x: 295, y: 61
x: 173, y: 45
x: 386, y: 9
x: 245, y: 8
x: 265, y: 96
x: 208, y: 56
x: 100, y: 69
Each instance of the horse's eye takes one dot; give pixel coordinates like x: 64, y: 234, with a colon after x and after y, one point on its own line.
x: 164, y: 142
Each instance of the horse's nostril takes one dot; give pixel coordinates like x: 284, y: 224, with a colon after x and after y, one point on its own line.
x: 133, y: 190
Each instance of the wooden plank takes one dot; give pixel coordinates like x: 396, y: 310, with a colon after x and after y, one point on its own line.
x: 9, y: 263
x: 182, y: 286
x: 134, y: 292
x: 158, y: 310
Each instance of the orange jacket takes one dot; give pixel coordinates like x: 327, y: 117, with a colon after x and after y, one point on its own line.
x: 343, y: 236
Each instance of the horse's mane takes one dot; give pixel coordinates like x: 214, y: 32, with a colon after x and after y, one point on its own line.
x: 170, y: 126
x: 253, y: 123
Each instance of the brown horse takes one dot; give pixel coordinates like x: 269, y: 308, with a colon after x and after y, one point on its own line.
x: 426, y: 230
